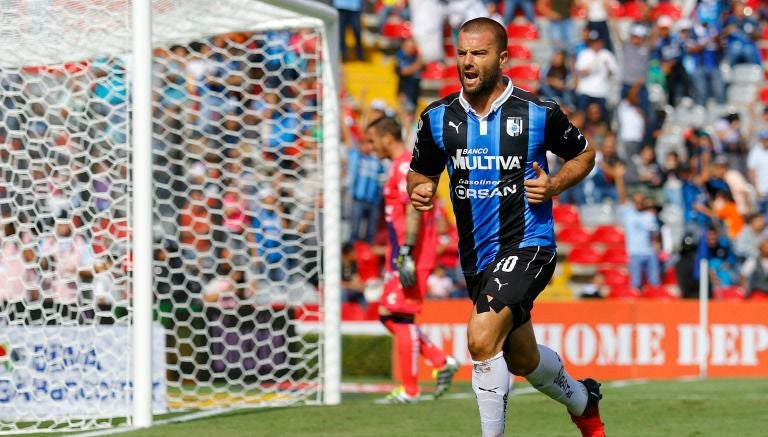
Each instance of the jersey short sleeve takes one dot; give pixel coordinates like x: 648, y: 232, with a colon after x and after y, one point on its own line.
x: 562, y: 137
x: 428, y: 158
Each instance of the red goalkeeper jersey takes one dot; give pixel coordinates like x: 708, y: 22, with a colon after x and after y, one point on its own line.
x: 395, y: 201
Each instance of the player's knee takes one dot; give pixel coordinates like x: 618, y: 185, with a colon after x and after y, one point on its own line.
x: 482, y: 345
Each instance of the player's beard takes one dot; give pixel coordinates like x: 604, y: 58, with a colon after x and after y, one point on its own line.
x: 486, y: 82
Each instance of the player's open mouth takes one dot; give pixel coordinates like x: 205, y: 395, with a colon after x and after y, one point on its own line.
x: 471, y: 77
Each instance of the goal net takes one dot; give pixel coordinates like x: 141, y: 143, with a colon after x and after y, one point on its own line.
x: 244, y: 196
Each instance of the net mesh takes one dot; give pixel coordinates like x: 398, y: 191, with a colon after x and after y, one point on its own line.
x: 237, y: 209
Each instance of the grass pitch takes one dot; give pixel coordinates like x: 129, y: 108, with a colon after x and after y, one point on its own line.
x: 719, y: 407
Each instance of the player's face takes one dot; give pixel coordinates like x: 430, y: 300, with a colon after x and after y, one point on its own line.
x: 479, y: 62
x: 377, y: 143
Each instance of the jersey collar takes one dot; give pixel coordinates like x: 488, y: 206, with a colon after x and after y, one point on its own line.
x: 496, y: 103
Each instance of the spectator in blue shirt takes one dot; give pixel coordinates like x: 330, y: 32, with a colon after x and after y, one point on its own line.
x: 409, y: 66
x: 641, y: 227
x: 365, y: 171
x: 704, y: 53
x: 268, y: 231
x: 741, y: 35
x: 669, y: 52
x: 722, y: 260
x: 349, y: 15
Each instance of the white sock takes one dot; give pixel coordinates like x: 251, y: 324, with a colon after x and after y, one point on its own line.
x: 551, y: 379
x: 490, y: 381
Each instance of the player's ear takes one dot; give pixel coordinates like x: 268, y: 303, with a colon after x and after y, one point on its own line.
x: 503, y: 57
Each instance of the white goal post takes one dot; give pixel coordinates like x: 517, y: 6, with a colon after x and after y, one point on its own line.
x: 169, y: 209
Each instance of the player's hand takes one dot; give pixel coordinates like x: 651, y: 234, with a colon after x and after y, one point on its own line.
x: 539, y: 190
x: 421, y: 196
x: 406, y: 267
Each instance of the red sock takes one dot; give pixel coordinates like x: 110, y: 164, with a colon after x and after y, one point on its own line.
x: 407, y: 349
x: 428, y: 350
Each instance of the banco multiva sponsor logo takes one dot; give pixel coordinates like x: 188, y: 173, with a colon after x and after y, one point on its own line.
x: 478, y: 159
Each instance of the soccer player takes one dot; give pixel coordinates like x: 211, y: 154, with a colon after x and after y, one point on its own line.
x: 410, y: 259
x: 493, y: 138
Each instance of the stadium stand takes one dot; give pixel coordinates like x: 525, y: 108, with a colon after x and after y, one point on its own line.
x: 683, y: 134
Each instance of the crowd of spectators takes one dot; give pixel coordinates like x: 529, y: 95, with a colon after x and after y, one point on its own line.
x: 236, y: 160
x: 666, y: 94
x: 235, y: 168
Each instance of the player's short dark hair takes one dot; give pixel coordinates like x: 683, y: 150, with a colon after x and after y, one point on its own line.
x: 387, y: 125
x: 481, y: 24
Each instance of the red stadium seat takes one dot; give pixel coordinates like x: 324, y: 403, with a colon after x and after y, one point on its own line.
x: 660, y: 292
x: 526, y: 31
x: 634, y: 10
x: 615, y: 276
x: 372, y: 313
x: 396, y: 30
x: 585, y: 255
x: 728, y: 293
x: 524, y: 72
x: 450, y: 72
x: 670, y: 277
x: 608, y: 235
x: 615, y: 256
x: 450, y: 88
x: 622, y: 292
x: 351, y: 311
x: 566, y: 214
x: 368, y: 264
x: 434, y: 71
x: 758, y: 295
x: 584, y: 260
x: 519, y: 52
x: 307, y: 313
x: 669, y: 9
x: 573, y: 234
x: 616, y: 9
x: 764, y: 95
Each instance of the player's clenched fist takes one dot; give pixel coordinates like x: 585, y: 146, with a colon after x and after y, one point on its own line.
x: 421, y: 196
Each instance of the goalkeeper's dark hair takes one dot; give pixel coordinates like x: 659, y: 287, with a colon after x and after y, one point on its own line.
x: 387, y: 125
x: 482, y: 24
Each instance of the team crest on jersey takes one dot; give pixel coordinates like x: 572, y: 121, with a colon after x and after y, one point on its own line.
x: 514, y: 126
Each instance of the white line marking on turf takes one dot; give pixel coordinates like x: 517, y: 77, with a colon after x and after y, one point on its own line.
x: 364, y: 388
x: 182, y: 418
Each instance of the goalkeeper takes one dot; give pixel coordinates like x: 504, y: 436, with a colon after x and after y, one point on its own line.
x: 409, y: 261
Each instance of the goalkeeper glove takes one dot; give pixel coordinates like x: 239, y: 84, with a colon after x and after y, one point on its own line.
x: 406, y: 266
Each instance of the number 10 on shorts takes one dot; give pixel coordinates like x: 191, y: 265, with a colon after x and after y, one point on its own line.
x: 506, y: 265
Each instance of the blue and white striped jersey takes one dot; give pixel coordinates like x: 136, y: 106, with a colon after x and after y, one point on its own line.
x: 488, y: 158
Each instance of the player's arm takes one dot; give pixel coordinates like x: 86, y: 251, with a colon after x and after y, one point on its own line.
x: 573, y: 171
x: 565, y: 140
x: 426, y: 165
x: 406, y: 265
